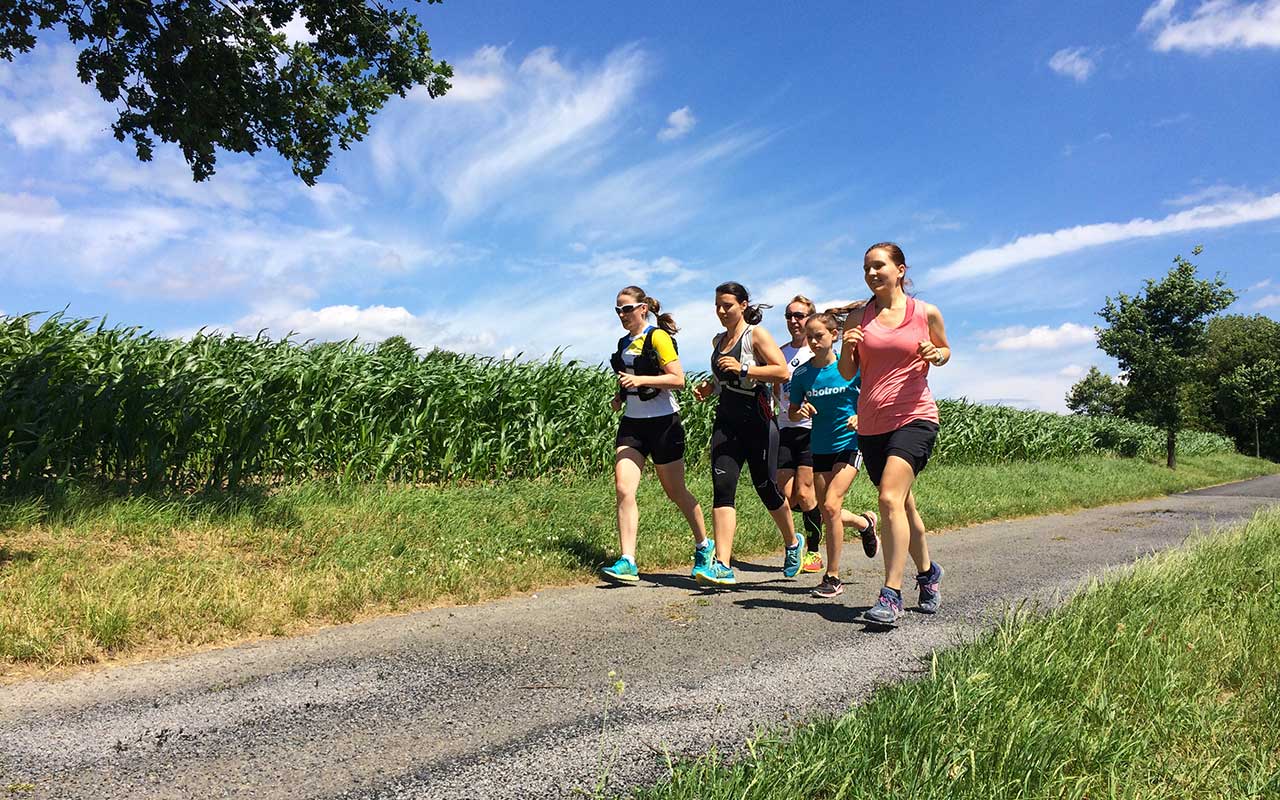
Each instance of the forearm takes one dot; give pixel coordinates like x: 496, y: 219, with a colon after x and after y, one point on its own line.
x: 674, y: 382
x: 769, y: 373
x: 847, y: 364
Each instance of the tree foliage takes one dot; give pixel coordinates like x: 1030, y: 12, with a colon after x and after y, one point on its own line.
x: 1097, y: 395
x: 209, y: 74
x: 1255, y: 390
x: 1159, y: 339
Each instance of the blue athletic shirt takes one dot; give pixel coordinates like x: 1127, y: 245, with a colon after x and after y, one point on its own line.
x: 835, y: 398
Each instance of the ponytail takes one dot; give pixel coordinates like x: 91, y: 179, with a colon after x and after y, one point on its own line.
x: 665, y: 321
x: 840, y: 313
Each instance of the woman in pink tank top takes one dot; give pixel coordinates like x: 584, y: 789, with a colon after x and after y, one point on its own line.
x: 893, y: 342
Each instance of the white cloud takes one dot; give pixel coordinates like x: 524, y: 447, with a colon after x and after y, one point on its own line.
x: 1268, y: 301
x: 679, y: 123
x: 29, y: 214
x: 623, y: 267
x: 296, y: 30
x: 1217, y: 193
x: 1074, y: 62
x: 1041, y: 337
x: 45, y: 105
x: 370, y: 324
x: 1214, y: 25
x: 1262, y: 284
x: 1072, y: 371
x: 992, y: 260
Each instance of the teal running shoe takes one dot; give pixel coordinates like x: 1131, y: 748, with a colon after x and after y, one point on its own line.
x: 792, y: 558
x: 702, y: 557
x: 716, y: 575
x: 622, y: 571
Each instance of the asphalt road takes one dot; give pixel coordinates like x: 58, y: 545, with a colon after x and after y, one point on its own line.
x: 515, y: 699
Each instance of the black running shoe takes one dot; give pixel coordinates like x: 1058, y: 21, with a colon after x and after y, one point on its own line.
x: 831, y: 586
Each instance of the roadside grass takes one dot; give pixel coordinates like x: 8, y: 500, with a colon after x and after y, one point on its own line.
x: 88, y: 575
x: 1158, y: 683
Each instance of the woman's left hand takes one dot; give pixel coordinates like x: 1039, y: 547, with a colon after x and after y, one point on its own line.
x: 929, y: 352
x: 852, y: 423
x: 729, y: 364
x: 628, y: 381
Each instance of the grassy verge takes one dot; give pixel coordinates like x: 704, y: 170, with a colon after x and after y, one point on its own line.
x: 1158, y: 684
x: 86, y: 575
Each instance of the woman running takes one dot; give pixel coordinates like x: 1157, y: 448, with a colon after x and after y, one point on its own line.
x: 648, y: 371
x: 743, y: 359
x: 820, y: 394
x: 892, y: 343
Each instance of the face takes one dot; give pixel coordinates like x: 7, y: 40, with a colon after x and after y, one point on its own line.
x: 729, y: 310
x: 796, y: 313
x: 820, y: 338
x: 880, y: 271
x: 634, y: 311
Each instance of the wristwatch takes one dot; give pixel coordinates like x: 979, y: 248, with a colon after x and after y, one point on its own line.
x: 742, y: 373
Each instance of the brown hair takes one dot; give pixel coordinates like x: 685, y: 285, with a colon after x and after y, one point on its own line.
x: 665, y: 321
x: 753, y: 313
x: 895, y: 255
x: 838, y: 314
x: 806, y: 302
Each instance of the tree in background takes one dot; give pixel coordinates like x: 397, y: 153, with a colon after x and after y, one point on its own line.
x: 1237, y: 341
x: 1097, y: 395
x: 1158, y: 338
x: 1254, y: 389
x: 220, y: 73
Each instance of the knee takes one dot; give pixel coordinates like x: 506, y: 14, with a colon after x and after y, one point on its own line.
x: 831, y: 511
x: 892, y: 502
x: 626, y: 493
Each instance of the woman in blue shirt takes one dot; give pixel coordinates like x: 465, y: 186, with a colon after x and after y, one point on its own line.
x: 820, y: 394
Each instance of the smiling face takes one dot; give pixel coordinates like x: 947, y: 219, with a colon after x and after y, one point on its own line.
x: 820, y: 335
x: 634, y: 312
x: 881, y: 272
x: 729, y: 309
x: 796, y: 314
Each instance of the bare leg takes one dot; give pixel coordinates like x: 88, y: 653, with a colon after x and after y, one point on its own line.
x: 835, y: 485
x: 786, y: 525
x: 628, y: 465
x: 918, y: 546
x: 672, y: 478
x: 724, y: 523
x: 895, y: 526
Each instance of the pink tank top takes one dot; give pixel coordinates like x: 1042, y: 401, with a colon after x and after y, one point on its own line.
x: 895, y: 386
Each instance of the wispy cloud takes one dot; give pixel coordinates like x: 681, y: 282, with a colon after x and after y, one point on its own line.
x: 1215, y: 193
x: 992, y: 260
x: 1041, y: 337
x: 1267, y: 301
x: 1214, y: 25
x: 1076, y: 63
x: 45, y: 105
x: 679, y: 123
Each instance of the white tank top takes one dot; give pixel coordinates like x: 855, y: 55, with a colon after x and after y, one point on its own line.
x: 795, y: 356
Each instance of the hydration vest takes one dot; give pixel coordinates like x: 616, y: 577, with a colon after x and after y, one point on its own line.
x: 646, y: 362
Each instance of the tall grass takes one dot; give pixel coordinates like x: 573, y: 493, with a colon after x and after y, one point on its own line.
x: 84, y: 400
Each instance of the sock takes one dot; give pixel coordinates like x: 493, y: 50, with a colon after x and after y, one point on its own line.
x: 629, y: 560
x: 812, y: 527
x: 893, y: 592
x: 706, y: 545
x: 928, y: 572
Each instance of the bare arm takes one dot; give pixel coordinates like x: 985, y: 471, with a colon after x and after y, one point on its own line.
x: 850, y: 338
x: 936, y: 350
x: 770, y: 366
x: 672, y: 378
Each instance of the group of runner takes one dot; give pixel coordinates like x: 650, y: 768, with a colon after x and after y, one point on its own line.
x: 851, y: 388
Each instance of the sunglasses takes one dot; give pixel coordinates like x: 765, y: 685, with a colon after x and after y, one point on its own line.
x: 627, y: 309
x: 795, y: 315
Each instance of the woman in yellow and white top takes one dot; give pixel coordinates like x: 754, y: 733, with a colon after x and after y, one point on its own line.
x: 648, y: 368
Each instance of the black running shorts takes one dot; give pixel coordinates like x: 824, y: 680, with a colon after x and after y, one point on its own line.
x: 826, y: 462
x: 661, y: 438
x: 793, y: 448
x: 912, y: 443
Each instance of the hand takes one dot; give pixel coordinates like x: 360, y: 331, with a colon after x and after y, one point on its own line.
x: 729, y: 364
x: 616, y: 403
x: 628, y: 381
x: 929, y: 352
x: 807, y: 411
x: 852, y: 423
x: 702, y: 391
x: 851, y: 337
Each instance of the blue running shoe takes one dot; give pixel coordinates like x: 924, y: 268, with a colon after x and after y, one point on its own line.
x: 623, y: 571
x: 887, y: 609
x: 930, y: 584
x: 716, y: 575
x: 791, y: 560
x: 703, y: 556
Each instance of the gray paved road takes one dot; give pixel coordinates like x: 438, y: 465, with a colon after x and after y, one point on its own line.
x: 509, y: 699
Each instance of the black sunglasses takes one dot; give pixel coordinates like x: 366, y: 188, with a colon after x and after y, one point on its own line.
x: 795, y: 315
x: 627, y: 309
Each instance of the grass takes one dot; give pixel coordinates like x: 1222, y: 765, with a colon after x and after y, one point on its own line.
x: 1157, y: 684
x: 87, y: 575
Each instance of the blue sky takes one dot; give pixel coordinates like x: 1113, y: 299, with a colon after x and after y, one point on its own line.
x: 1032, y: 160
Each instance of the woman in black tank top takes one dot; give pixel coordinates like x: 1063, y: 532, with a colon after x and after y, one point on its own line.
x: 745, y: 361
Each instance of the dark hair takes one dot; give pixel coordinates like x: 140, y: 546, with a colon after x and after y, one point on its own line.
x: 753, y: 313
x: 665, y: 321
x: 895, y: 255
x: 838, y: 314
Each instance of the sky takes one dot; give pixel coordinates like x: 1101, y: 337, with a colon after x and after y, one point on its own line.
x: 1032, y: 160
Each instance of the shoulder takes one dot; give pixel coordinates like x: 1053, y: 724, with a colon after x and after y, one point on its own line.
x: 803, y: 372
x: 929, y: 310
x: 661, y: 338
x: 761, y: 336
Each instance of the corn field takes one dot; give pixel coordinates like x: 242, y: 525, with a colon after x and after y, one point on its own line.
x: 79, y: 400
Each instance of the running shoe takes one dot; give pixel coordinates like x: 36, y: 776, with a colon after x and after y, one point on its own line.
x: 791, y: 560
x: 930, y: 584
x: 887, y: 609
x: 831, y: 586
x: 716, y: 575
x: 622, y: 571
x: 812, y: 562
x: 702, y: 557
x: 870, y: 542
